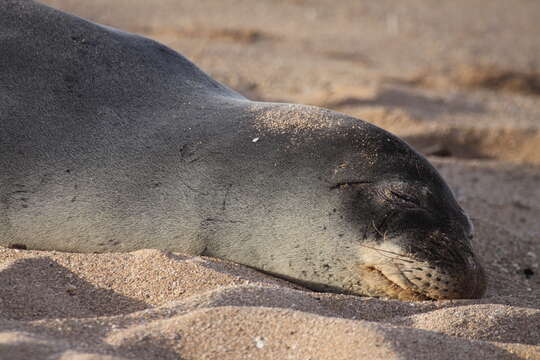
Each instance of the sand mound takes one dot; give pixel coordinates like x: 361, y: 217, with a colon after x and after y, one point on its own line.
x: 489, y: 77
x: 511, y: 144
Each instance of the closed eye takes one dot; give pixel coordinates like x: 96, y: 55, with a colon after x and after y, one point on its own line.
x: 403, y: 199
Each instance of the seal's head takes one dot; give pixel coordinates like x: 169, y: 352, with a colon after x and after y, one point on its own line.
x: 416, y: 240
x: 338, y: 204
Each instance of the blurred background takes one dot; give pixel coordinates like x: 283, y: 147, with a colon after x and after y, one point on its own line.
x: 455, y: 79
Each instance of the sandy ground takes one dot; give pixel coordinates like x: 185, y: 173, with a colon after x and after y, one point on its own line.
x: 458, y: 80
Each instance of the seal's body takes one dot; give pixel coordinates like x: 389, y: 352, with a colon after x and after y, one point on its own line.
x: 112, y: 142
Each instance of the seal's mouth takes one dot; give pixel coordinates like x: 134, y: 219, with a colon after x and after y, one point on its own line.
x: 396, y: 289
x: 390, y: 271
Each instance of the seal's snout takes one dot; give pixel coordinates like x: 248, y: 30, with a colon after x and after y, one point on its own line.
x: 441, y: 282
x: 405, y: 277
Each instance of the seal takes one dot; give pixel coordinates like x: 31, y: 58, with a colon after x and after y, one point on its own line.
x: 113, y: 142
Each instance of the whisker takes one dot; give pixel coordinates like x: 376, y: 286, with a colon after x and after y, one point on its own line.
x: 408, y: 261
x: 389, y: 261
x: 377, y: 230
x: 387, y: 251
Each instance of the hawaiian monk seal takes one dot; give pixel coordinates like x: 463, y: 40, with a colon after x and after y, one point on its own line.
x: 113, y: 142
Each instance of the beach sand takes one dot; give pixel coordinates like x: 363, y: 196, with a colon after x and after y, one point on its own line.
x: 460, y: 81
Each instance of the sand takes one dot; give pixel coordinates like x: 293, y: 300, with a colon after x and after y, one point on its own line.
x: 458, y: 80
